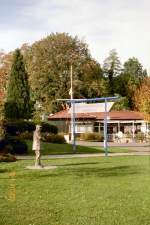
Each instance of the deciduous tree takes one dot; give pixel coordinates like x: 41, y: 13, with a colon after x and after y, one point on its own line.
x: 142, y: 98
x: 48, y: 62
x: 130, y: 79
x: 5, y: 66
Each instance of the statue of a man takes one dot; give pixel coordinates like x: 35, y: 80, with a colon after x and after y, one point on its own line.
x: 36, y: 146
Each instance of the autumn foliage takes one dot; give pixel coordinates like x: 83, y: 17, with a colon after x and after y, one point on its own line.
x: 142, y: 98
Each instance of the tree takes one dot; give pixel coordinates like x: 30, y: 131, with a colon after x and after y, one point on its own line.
x: 142, y: 98
x: 17, y: 104
x: 130, y: 79
x: 5, y: 66
x: 112, y: 68
x: 48, y: 63
x: 92, y: 84
x: 134, y: 70
x: 121, y: 104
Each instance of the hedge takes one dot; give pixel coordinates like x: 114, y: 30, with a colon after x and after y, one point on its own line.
x: 13, y: 145
x: 14, y: 128
x: 46, y: 127
x: 53, y: 138
x: 7, y: 158
x: 92, y: 136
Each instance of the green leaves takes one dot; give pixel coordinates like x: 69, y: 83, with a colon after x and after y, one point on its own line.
x: 48, y: 63
x: 18, y: 104
x: 111, y: 68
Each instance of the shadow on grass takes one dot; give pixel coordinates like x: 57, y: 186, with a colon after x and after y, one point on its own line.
x: 81, y: 170
x: 80, y: 164
x: 100, y: 172
x: 87, y: 172
x: 106, y: 172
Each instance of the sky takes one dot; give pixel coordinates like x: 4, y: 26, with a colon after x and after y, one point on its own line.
x: 103, y: 24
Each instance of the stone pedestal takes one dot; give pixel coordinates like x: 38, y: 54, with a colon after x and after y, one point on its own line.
x: 41, y: 167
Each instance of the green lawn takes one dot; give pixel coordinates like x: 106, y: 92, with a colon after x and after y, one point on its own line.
x: 81, y: 191
x: 51, y: 149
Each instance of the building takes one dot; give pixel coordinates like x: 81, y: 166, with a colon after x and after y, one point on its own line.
x: 90, y: 118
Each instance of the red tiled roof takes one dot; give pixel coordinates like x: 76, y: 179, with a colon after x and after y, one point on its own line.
x: 65, y: 114
x: 114, y: 115
x: 122, y: 115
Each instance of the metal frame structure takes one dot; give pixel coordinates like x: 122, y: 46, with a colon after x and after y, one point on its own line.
x: 73, y: 101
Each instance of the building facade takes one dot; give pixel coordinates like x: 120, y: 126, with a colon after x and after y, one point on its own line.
x: 88, y: 120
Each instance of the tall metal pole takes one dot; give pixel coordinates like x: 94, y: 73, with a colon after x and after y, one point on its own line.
x: 72, y: 112
x: 74, y: 135
x: 105, y: 130
x: 71, y: 97
x: 133, y: 131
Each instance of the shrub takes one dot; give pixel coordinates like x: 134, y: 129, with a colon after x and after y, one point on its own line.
x: 53, y: 138
x: 7, y: 158
x: 148, y: 138
x: 128, y: 135
x: 26, y: 135
x: 2, y: 146
x: 2, y: 132
x: 46, y: 127
x: 15, y: 128
x: 13, y: 145
x: 140, y: 136
x: 92, y: 136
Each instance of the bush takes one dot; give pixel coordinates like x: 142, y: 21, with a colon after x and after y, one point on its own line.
x: 15, y: 128
x: 92, y: 136
x: 128, y: 135
x: 26, y: 135
x: 13, y: 145
x: 7, y: 158
x: 46, y: 127
x: 148, y: 138
x: 53, y: 138
x: 140, y: 137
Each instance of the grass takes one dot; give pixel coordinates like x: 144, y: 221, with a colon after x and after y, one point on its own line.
x: 93, y: 191
x: 51, y: 149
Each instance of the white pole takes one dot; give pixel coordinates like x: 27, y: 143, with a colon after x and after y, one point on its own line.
x: 105, y: 130
x: 133, y: 130
x: 71, y: 97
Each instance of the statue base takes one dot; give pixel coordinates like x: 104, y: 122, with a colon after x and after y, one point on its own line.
x: 41, y: 167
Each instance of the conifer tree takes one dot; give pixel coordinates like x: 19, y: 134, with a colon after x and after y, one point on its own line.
x: 17, y: 104
x: 112, y: 68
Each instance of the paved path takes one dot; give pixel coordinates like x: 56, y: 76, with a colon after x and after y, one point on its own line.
x: 137, y: 149
x: 85, y: 155
x: 112, y: 144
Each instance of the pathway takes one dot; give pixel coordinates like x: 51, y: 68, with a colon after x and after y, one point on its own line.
x: 86, y: 155
x: 137, y: 149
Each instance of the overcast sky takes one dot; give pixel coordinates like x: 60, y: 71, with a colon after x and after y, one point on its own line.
x: 103, y: 24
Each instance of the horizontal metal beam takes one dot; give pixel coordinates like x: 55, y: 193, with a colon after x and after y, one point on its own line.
x: 90, y: 99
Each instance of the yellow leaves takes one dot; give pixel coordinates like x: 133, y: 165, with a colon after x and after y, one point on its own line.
x: 5, y: 62
x: 142, y: 98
